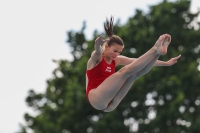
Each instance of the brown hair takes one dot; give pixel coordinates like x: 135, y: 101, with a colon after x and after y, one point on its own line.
x: 108, y: 27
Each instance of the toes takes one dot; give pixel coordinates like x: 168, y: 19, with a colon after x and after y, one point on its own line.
x: 168, y: 39
x: 162, y: 38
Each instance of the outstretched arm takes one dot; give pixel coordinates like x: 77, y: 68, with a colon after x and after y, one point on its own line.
x: 170, y: 62
x: 123, y: 60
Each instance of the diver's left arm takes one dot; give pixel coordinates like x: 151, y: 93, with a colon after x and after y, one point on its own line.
x: 170, y: 62
x: 123, y: 60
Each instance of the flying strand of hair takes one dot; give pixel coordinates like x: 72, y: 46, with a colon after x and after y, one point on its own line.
x: 108, y: 27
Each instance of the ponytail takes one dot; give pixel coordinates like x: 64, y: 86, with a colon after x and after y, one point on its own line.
x: 108, y: 27
x: 112, y: 39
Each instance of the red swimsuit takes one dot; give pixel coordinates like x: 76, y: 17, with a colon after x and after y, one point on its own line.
x: 98, y: 74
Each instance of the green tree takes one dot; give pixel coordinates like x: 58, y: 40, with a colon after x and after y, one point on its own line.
x: 166, y: 100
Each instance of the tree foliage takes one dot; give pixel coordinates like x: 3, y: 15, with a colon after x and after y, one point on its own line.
x: 166, y: 100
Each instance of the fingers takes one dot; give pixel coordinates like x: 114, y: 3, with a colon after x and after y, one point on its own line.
x: 174, y: 60
x: 100, y: 37
x: 178, y: 57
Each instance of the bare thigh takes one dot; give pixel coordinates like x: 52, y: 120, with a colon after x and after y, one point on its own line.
x: 106, y: 91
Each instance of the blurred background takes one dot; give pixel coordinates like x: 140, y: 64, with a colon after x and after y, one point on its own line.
x: 44, y: 48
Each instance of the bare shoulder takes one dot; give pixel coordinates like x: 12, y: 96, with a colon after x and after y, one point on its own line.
x: 119, y: 60
x: 123, y: 60
x: 94, y: 60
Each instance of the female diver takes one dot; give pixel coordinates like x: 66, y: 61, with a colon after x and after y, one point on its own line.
x: 106, y: 88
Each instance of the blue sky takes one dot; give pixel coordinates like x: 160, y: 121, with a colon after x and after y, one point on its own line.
x: 34, y: 32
